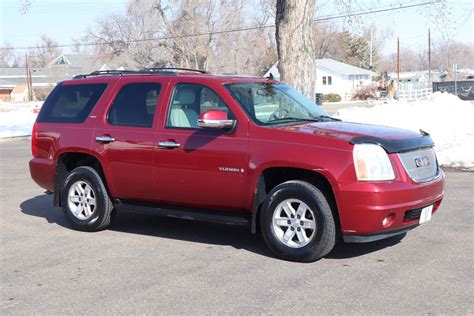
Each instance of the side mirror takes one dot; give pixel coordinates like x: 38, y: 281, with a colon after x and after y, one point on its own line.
x: 215, y: 119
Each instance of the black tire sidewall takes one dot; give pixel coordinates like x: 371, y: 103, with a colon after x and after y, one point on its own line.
x: 315, y: 248
x: 92, y: 178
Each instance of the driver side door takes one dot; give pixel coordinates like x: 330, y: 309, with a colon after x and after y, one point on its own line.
x: 202, y: 167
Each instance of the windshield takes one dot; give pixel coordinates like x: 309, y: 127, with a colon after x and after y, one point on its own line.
x: 270, y: 103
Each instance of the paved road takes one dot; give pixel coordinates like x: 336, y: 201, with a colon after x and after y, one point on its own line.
x: 153, y: 265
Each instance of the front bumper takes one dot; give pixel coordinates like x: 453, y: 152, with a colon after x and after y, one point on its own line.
x: 373, y: 211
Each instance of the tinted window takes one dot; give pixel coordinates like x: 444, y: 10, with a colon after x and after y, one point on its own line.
x: 135, y: 105
x: 70, y: 104
x: 189, y: 101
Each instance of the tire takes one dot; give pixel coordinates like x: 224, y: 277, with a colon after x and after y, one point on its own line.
x: 92, y: 195
x: 314, y: 207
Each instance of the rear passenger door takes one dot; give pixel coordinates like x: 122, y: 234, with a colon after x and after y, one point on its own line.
x: 124, y: 138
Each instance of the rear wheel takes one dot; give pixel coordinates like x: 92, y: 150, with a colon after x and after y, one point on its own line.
x: 297, y: 222
x: 85, y: 200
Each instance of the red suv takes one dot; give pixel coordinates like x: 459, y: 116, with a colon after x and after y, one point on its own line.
x: 231, y: 150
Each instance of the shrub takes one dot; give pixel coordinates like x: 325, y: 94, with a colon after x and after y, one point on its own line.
x: 368, y: 92
x: 332, y: 97
x: 41, y: 93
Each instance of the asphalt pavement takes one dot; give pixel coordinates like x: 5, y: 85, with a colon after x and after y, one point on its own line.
x: 152, y: 265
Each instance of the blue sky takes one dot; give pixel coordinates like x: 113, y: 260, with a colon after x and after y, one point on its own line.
x: 69, y: 19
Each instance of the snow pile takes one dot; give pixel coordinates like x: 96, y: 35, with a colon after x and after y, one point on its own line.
x: 448, y: 119
x: 16, y: 119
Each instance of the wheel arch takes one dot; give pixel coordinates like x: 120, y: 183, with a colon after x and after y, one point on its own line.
x: 273, y: 176
x: 69, y: 160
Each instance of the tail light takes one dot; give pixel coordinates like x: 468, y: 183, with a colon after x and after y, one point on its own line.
x: 34, y: 140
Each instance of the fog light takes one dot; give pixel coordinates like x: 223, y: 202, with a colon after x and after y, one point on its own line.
x: 388, y: 220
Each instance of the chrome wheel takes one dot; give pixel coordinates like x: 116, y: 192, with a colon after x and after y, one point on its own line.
x: 81, y: 200
x: 294, y: 223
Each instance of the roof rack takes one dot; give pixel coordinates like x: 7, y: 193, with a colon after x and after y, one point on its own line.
x: 164, y: 71
x: 158, y: 69
x: 106, y: 72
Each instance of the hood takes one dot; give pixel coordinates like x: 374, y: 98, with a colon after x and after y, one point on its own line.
x: 391, y: 138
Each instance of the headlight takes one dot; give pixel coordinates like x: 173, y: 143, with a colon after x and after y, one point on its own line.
x: 371, y: 163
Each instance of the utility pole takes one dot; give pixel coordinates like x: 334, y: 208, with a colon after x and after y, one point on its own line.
x: 398, y: 61
x: 429, y: 56
x: 370, y: 56
x: 455, y: 70
x: 27, y: 76
x: 29, y: 80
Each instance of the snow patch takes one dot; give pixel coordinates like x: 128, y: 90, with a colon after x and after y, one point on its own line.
x: 448, y: 119
x: 17, y: 119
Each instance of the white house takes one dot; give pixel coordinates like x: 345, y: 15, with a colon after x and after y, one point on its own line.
x: 333, y: 76
x: 411, y: 80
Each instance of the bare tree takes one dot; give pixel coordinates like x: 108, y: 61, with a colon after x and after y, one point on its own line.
x: 250, y: 52
x: 44, y: 52
x: 25, y: 6
x: 325, y: 44
x: 128, y: 36
x: 447, y: 53
x: 295, y: 44
x: 8, y: 58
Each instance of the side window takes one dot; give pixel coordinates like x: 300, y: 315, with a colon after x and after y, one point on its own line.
x: 135, y: 105
x: 189, y: 101
x: 71, y: 103
x: 329, y: 80
x: 324, y: 80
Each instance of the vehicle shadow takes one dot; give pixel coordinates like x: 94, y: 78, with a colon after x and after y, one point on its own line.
x: 192, y: 231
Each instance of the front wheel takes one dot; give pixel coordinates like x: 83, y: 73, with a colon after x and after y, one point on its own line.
x: 85, y: 200
x: 297, y: 222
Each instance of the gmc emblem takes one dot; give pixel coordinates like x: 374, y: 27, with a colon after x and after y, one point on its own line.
x: 422, y: 162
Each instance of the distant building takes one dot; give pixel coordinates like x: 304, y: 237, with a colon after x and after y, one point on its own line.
x: 19, y: 93
x: 63, y: 67
x: 81, y: 64
x: 333, y: 76
x: 6, y: 87
x: 411, y: 80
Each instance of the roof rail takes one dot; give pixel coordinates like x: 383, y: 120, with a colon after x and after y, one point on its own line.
x: 158, y: 69
x: 106, y: 72
x: 164, y: 71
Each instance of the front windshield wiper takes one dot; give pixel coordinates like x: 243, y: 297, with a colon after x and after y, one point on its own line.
x: 319, y: 118
x: 328, y: 117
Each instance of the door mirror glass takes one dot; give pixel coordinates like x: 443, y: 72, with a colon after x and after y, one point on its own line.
x: 215, y: 119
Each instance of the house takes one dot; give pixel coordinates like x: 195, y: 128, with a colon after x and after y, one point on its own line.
x: 76, y: 64
x: 19, y: 93
x: 333, y: 76
x: 412, y: 80
x: 6, y: 87
x: 63, y: 67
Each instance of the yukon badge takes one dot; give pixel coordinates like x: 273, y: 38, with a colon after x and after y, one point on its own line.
x: 228, y: 169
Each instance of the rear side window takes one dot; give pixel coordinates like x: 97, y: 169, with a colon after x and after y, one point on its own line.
x: 135, y: 105
x: 71, y: 104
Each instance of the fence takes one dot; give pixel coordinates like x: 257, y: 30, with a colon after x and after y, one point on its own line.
x: 413, y: 94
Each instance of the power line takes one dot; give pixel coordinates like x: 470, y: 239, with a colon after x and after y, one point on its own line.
x: 235, y: 30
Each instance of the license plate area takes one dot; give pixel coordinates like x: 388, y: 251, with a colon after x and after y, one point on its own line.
x: 426, y: 213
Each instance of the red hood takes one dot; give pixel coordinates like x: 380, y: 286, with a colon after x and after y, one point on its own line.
x: 347, y: 130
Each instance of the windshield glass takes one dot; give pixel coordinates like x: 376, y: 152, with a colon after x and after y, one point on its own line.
x: 270, y: 103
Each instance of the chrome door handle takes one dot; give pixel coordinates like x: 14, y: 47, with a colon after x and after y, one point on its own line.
x: 104, y: 139
x: 168, y: 144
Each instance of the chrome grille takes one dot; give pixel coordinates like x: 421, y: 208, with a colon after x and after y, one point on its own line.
x: 420, y: 164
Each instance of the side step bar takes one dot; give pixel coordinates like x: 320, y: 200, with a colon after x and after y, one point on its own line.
x: 226, y: 218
